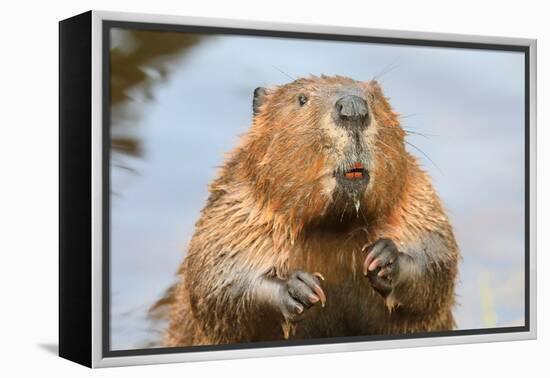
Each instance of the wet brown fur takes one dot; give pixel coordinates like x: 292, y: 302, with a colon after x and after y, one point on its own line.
x: 271, y: 211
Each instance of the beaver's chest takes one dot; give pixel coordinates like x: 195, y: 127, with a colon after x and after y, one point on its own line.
x: 353, y: 306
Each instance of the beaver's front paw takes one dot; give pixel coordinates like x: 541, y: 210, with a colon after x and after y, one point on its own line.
x: 298, y: 292
x: 382, y: 265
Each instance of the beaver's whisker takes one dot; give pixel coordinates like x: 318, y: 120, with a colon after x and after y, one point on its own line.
x: 363, y: 215
x: 403, y: 116
x: 408, y: 132
x: 426, y: 155
x: 392, y: 129
x: 343, y: 212
x: 284, y: 73
x: 388, y: 146
x: 389, y: 68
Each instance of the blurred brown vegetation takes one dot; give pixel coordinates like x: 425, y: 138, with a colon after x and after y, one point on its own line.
x: 138, y: 60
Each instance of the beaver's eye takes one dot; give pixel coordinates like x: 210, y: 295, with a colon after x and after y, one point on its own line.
x: 302, y: 100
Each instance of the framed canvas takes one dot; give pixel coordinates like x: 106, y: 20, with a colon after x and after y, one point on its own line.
x: 233, y: 189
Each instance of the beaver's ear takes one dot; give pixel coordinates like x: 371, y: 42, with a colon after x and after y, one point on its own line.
x: 260, y: 94
x: 375, y: 88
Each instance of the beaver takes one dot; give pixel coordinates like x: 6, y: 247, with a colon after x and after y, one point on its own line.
x: 319, y: 224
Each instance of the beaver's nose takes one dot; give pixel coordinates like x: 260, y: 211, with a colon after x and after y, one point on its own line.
x: 352, y: 108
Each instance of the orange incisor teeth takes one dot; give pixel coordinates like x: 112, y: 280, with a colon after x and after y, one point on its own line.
x: 356, y: 173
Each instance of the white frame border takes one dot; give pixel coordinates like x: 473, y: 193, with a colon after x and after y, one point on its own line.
x: 97, y: 139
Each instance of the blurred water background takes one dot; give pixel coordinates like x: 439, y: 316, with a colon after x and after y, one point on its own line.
x: 181, y: 100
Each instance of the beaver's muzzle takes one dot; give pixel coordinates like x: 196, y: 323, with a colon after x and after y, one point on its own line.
x: 353, y: 180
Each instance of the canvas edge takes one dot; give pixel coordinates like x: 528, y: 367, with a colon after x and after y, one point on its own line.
x: 97, y: 189
x: 97, y: 139
x: 533, y: 229
x: 74, y: 252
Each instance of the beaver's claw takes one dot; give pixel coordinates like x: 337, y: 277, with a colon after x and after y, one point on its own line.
x: 381, y: 265
x: 299, y: 292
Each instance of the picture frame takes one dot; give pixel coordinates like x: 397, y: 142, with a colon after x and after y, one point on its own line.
x: 85, y: 296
